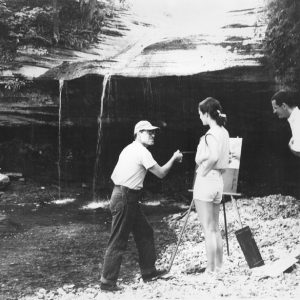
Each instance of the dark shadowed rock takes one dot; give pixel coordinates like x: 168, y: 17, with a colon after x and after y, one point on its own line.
x: 8, y: 226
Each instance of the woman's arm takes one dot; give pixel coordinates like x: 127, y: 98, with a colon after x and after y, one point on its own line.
x: 201, y: 154
x: 212, y: 154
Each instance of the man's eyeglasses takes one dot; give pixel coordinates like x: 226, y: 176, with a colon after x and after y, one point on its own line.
x: 150, y: 132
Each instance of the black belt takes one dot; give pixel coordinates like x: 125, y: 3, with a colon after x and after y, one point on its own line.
x: 128, y: 190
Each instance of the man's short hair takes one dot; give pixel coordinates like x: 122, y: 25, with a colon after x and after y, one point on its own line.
x: 291, y: 98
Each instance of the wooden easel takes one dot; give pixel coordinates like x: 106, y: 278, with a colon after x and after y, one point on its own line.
x: 230, y: 178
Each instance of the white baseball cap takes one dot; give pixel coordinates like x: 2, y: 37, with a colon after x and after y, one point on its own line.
x: 144, y: 125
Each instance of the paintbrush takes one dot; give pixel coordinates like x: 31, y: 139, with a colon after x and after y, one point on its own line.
x: 187, y: 152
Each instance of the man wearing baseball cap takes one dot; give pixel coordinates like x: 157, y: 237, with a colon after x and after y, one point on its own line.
x: 128, y: 176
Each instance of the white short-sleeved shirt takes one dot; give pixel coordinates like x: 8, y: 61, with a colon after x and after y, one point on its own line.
x: 294, y: 121
x: 131, y: 168
x: 222, y: 137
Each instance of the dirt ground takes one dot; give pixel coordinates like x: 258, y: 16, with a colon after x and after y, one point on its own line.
x: 54, y: 249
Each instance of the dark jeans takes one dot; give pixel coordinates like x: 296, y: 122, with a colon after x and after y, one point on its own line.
x: 127, y: 217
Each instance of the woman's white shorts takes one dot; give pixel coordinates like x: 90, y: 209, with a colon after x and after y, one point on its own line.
x: 209, y: 188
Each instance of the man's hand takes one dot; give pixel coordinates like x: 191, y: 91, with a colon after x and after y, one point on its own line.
x: 178, y: 156
x: 161, y: 172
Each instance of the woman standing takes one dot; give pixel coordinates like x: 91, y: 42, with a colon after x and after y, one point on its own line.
x: 211, y: 159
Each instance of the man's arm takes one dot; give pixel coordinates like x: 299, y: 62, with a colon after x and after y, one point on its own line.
x: 297, y: 153
x: 294, y: 147
x: 162, y: 171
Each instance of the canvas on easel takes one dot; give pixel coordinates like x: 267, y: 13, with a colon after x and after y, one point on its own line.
x: 230, y: 176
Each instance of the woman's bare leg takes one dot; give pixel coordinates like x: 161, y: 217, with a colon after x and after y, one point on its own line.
x: 219, y: 242
x: 209, y: 219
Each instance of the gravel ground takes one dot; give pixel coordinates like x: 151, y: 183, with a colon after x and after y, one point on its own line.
x: 274, y: 222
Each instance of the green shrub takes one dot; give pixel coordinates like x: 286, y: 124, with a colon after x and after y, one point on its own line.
x: 282, y: 41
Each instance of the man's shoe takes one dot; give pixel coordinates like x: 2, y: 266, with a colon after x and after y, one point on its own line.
x: 110, y: 287
x: 153, y: 275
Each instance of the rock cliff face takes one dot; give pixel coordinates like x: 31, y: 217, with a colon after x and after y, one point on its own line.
x: 33, y: 104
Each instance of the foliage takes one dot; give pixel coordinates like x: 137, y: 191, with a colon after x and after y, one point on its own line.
x: 14, y: 84
x: 7, y: 50
x: 282, y: 41
x: 33, y: 22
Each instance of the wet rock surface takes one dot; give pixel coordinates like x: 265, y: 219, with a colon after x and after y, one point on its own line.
x: 58, y: 254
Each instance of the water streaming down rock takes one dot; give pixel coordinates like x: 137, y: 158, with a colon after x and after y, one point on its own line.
x: 98, y: 147
x: 61, y: 84
x: 151, y: 105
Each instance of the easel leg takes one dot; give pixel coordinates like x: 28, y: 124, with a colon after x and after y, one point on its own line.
x: 180, y: 236
x: 237, y: 214
x: 225, y: 223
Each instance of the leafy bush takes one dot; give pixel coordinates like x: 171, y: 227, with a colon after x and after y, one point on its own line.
x: 14, y: 84
x: 282, y: 41
x: 24, y: 22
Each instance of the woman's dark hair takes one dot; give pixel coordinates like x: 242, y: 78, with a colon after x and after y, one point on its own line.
x: 213, y: 107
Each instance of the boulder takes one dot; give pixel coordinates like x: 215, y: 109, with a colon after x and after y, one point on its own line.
x: 4, y: 181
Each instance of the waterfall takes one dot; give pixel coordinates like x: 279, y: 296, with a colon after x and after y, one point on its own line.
x: 61, y: 84
x: 99, y: 136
